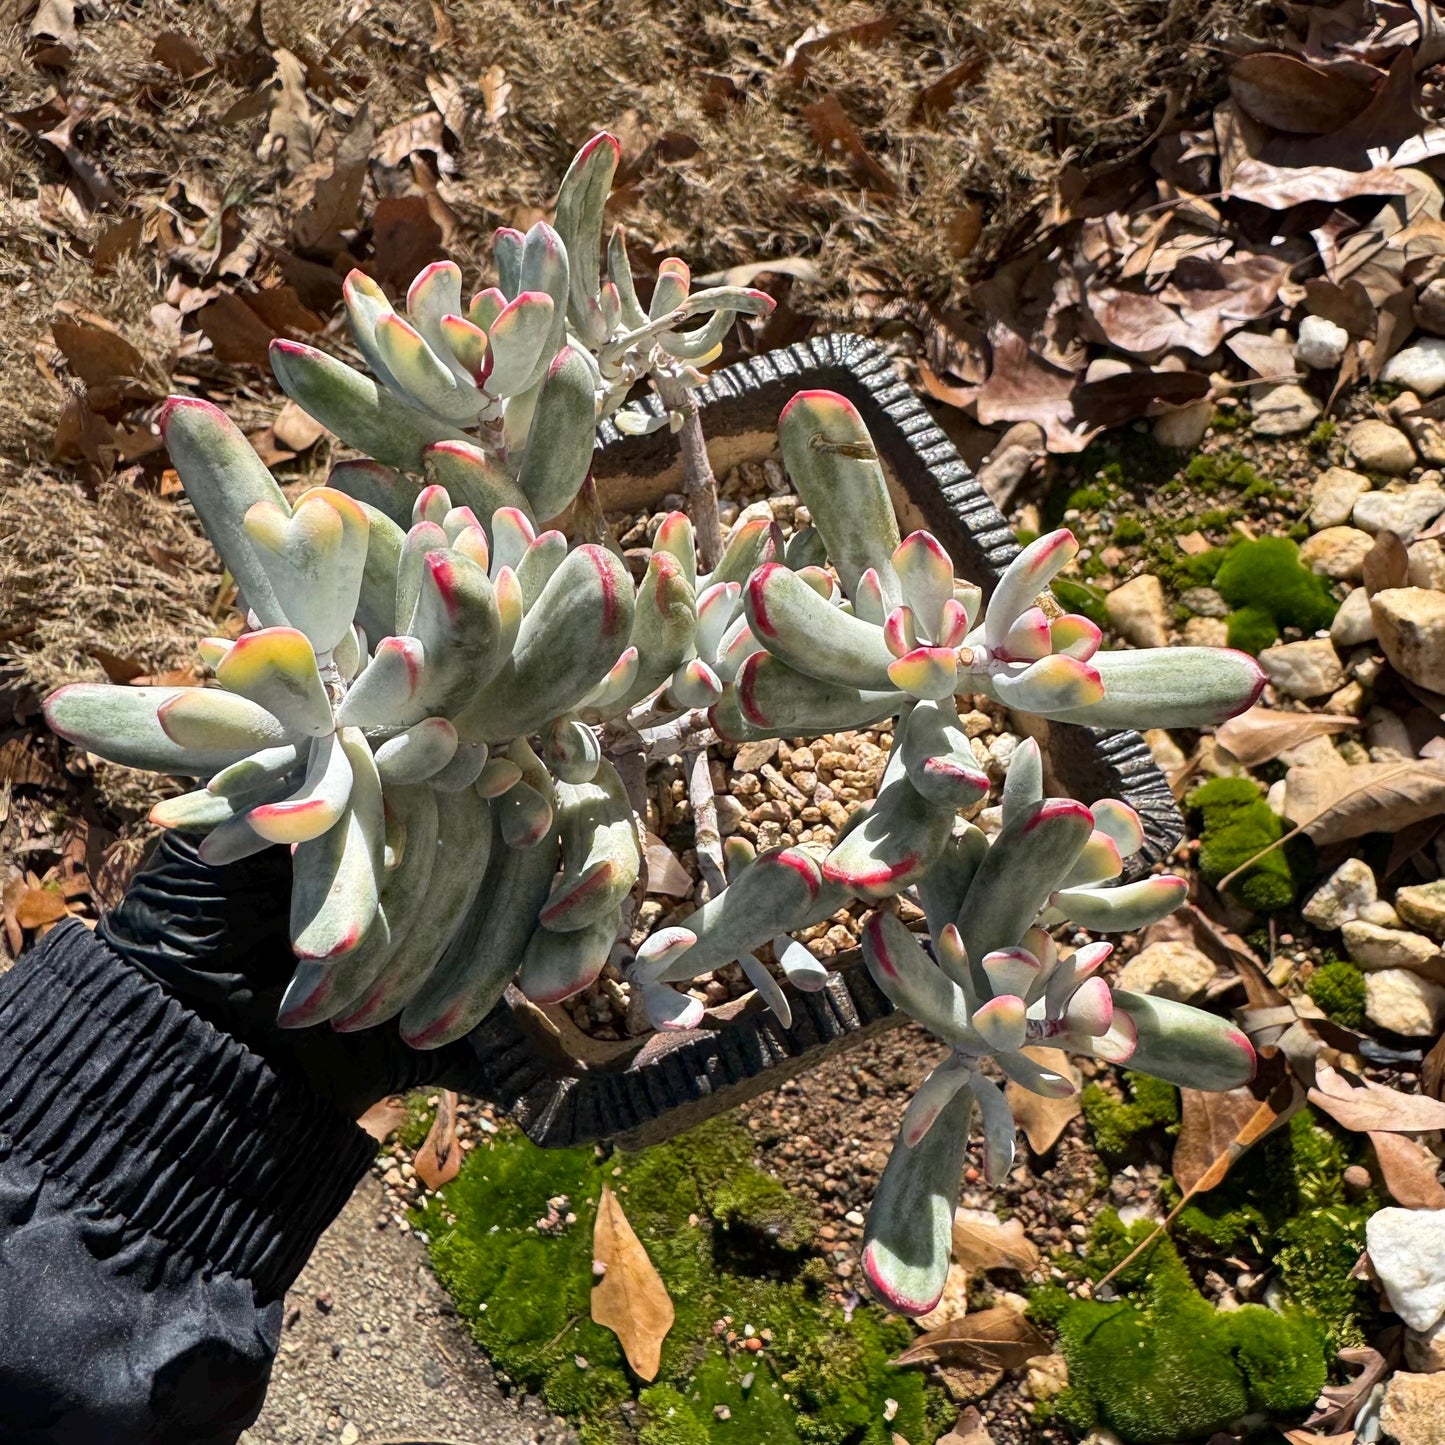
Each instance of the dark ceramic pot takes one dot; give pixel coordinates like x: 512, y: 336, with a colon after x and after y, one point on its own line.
x: 673, y: 1081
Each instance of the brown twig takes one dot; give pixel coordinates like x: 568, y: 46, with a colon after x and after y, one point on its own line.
x: 699, y: 485
x: 708, y: 840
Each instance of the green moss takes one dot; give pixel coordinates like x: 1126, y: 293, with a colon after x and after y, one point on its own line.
x: 419, y: 1115
x: 1115, y: 1122
x: 1252, y: 629
x: 820, y: 1380
x: 1216, y: 470
x: 1163, y: 1365
x: 1229, y: 418
x: 1324, y: 433
x: 1268, y: 577
x: 1087, y: 499
x: 1286, y: 1199
x: 1079, y: 597
x: 1237, y: 825
x: 1128, y: 530
x: 1339, y: 989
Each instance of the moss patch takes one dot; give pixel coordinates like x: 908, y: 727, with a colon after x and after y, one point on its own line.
x: 1266, y: 580
x: 1115, y: 1123
x: 747, y: 1259
x: 1338, y: 987
x: 1237, y: 825
x: 1162, y: 1364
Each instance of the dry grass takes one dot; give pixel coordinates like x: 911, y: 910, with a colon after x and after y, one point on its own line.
x: 720, y: 165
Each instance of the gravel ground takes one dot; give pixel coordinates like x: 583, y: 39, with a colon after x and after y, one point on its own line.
x: 373, y: 1351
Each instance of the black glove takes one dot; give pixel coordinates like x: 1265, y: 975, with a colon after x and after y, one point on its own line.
x: 217, y: 940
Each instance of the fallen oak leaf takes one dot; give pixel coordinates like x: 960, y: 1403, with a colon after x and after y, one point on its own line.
x: 1372, y: 1106
x: 38, y: 907
x: 630, y: 1299
x: 1339, y: 1404
x: 384, y: 1118
x: 1409, y: 1171
x: 1000, y: 1337
x: 798, y: 58
x: 1113, y: 400
x: 836, y: 135
x: 1292, y: 95
x: 439, y: 1160
x: 982, y: 1241
x: 1260, y: 734
x: 1209, y: 1124
x: 1041, y: 1118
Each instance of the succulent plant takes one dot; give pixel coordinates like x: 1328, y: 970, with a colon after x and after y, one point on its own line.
x: 433, y: 702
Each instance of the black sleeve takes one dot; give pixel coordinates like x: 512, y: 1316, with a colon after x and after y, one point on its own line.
x: 160, y: 1188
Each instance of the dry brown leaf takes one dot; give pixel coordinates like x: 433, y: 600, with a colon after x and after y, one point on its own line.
x: 665, y: 874
x: 1260, y: 734
x: 180, y: 54
x: 333, y: 205
x: 631, y: 1299
x: 420, y: 133
x: 1023, y: 387
x: 496, y: 94
x: 1043, y: 1119
x: 1308, y: 1437
x: 1340, y: 1404
x: 1372, y: 1106
x: 1347, y: 305
x: 384, y: 1118
x: 1000, y: 1337
x: 1267, y: 356
x: 1210, y: 1123
x: 1281, y: 187
x: 969, y: 1430
x: 237, y: 335
x: 404, y: 238
x: 38, y: 907
x: 446, y: 94
x: 935, y: 99
x: 1292, y: 95
x: 1113, y: 400
x: 1409, y: 1170
x: 1331, y: 805
x: 121, y: 239
x: 981, y: 1241
x: 99, y: 355
x: 290, y: 128
x: 837, y: 136
x: 1432, y: 1071
x: 296, y: 429
x: 798, y: 57
x: 952, y: 1303
x: 439, y: 1160
x: 54, y: 20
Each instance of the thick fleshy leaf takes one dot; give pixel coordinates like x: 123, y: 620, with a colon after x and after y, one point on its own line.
x: 231, y: 842
x: 568, y: 639
x: 1055, y: 686
x: 916, y: 985
x: 581, y: 200
x: 542, y: 558
x: 1084, y: 963
x: 833, y: 464
x: 457, y: 624
x: 937, y: 755
x: 1029, y: 638
x: 872, y: 603
x: 366, y: 303
x: 432, y: 505
x: 953, y: 960
x: 485, y: 950
x: 496, y: 776
x: 512, y: 534
x: 473, y: 479
x: 201, y: 811
x: 668, y: 1010
x: 276, y: 669
x: 335, y: 885
x: 925, y: 572
x: 717, y: 608
x: 767, y: 988
x: 953, y: 627
x: 557, y: 965
x: 559, y: 449
x: 1023, y: 784
x: 1000, y: 1135
x: 778, y: 699
x: 1121, y: 823
x: 547, y: 268
x: 664, y: 624
x: 900, y: 635
x: 464, y: 770
x: 461, y: 855
x: 508, y: 244
x: 1122, y: 909
x: 675, y: 536
x: 318, y: 804
x: 616, y: 684
x: 121, y: 724
x: 387, y: 691
x: 350, y: 653
x: 773, y: 895
x: 1090, y: 1010
x: 463, y: 345
x: 420, y: 752
x: 426, y: 380
x: 944, y: 887
x: 376, y: 606
x: 207, y: 720
x: 896, y: 844
x: 315, y: 558
x: 1075, y: 635
x: 749, y: 545
x: 486, y: 305
x: 571, y: 750
x: 931, y: 1098
x: 1100, y: 862
x: 1002, y: 1022
x: 1168, y: 687
x: 1022, y: 867
x: 1023, y: 579
x: 601, y: 858
x: 318, y: 991
x: 1185, y: 1045
x: 224, y: 478
x: 259, y: 770
x: 738, y: 854
x: 694, y: 684
x: 674, y: 280
x: 435, y: 292
x: 1011, y: 970
x: 926, y: 672
x: 807, y: 632
x: 799, y: 966
x: 524, y: 816
x: 1035, y: 1077
x: 515, y: 340
x: 619, y: 271
x: 908, y: 1242
x: 364, y: 415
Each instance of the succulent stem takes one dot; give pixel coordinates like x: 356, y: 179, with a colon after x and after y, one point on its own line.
x: 699, y: 485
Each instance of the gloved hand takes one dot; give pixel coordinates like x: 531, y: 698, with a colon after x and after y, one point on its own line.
x: 217, y: 940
